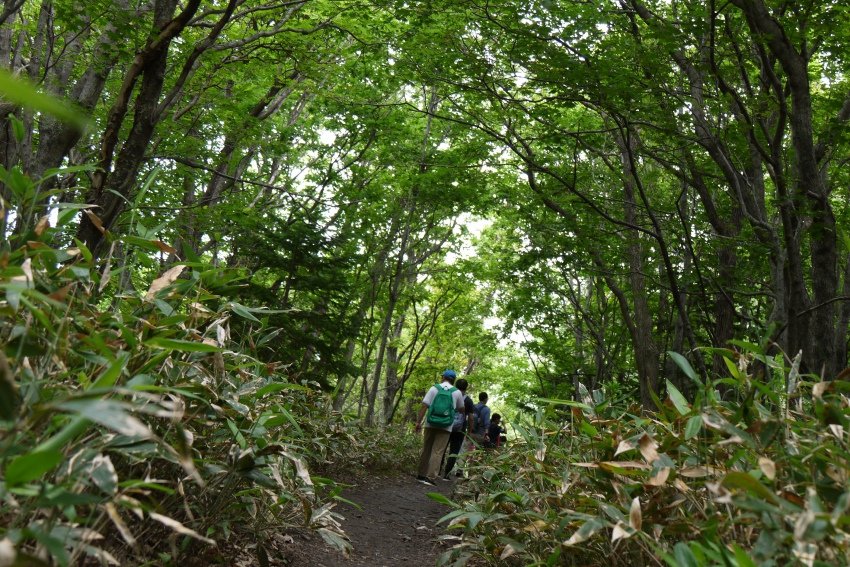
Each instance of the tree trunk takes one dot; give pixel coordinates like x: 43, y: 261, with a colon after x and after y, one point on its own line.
x: 110, y: 189
x: 645, y: 346
x: 392, y: 384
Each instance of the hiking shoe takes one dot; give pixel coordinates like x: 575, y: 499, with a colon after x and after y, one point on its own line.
x: 446, y: 478
x: 425, y: 480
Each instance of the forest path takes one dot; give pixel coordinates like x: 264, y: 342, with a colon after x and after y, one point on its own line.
x: 396, y: 525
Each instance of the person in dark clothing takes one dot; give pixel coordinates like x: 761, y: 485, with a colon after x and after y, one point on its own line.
x: 463, y: 421
x: 479, y: 430
x: 494, y: 433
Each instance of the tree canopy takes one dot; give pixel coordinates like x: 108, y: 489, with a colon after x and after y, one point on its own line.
x: 553, y: 198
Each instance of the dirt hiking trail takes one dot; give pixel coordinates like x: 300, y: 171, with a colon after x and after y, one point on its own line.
x: 396, y: 525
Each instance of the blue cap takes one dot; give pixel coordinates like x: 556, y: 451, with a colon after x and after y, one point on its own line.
x: 449, y: 374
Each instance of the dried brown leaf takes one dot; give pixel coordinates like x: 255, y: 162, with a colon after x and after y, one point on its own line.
x: 300, y: 468
x: 700, y: 471
x: 507, y: 552
x: 166, y: 279
x: 122, y: 527
x: 625, y: 464
x: 95, y: 220
x: 621, y: 531
x: 648, y: 448
x: 624, y: 446
x: 540, y: 454
x: 164, y: 247
x: 714, y: 421
x: 179, y: 528
x: 660, y: 477
x: 802, y: 524
x: 8, y: 553
x: 26, y: 278
x: 61, y: 293
x: 42, y: 225
x: 635, y: 516
x: 819, y: 389
x: 793, y: 498
x: 768, y: 467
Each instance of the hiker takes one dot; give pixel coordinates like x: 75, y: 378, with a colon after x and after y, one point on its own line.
x: 494, y: 432
x: 462, y: 422
x: 481, y: 422
x: 440, y: 403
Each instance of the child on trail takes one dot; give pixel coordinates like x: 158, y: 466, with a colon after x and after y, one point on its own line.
x: 440, y: 403
x: 495, y: 431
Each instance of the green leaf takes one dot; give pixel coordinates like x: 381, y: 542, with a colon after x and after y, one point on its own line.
x: 242, y: 311
x: 75, y: 427
x: 103, y: 474
x: 746, y: 481
x: 683, y: 363
x: 181, y: 345
x: 269, y: 337
x: 559, y: 402
x: 684, y: 556
x: 31, y: 466
x: 741, y: 556
x: 109, y: 413
x: 436, y: 496
x: 111, y: 374
x: 291, y: 419
x: 140, y: 242
x: 23, y: 93
x: 678, y: 399
x: 747, y: 346
x: 54, y: 545
x: 733, y: 368
x: 17, y: 127
x: 692, y: 428
x: 586, y: 531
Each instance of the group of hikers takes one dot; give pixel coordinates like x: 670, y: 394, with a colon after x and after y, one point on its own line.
x: 453, y: 424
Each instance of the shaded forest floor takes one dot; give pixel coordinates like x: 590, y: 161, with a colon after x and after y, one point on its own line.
x: 395, y: 525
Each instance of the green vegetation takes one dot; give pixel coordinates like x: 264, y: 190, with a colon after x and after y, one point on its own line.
x: 145, y: 416
x: 240, y: 240
x: 758, y: 478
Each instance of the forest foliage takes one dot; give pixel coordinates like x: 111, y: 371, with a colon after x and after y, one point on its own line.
x: 236, y: 232
x: 759, y: 478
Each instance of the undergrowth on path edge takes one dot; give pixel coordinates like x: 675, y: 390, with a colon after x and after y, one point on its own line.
x: 755, y: 475
x: 134, y: 428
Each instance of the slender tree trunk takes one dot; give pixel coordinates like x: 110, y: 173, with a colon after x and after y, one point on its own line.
x: 392, y: 384
x: 645, y: 346
x: 392, y: 302
x: 641, y: 352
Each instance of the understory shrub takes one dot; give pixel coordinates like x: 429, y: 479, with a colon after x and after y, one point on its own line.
x: 756, y: 475
x: 133, y: 427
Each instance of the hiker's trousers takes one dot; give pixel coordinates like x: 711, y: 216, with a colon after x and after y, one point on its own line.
x: 433, y: 446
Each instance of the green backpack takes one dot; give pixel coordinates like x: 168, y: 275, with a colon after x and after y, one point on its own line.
x: 442, y: 410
